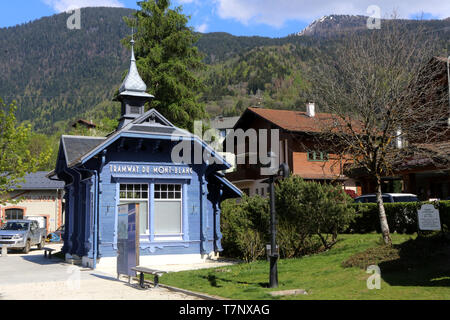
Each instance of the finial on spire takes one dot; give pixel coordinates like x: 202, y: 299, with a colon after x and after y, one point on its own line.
x: 133, y: 85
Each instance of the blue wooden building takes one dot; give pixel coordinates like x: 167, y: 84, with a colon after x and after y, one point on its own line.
x: 179, y: 201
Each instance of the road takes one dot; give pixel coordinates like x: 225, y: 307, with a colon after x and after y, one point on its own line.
x: 31, y: 276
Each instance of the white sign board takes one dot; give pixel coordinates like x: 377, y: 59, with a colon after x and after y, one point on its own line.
x: 428, y: 217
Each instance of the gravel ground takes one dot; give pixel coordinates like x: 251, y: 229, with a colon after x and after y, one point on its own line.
x: 29, y: 277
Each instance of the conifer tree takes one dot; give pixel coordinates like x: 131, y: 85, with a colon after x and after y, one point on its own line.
x: 168, y: 61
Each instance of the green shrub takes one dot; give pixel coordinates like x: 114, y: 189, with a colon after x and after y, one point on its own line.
x: 402, y: 217
x: 247, y: 220
x: 312, y: 208
x: 251, y: 245
x: 309, y: 217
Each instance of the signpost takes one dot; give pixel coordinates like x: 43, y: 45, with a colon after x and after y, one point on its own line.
x: 428, y: 218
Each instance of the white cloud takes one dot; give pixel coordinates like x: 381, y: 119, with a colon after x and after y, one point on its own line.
x: 276, y: 12
x: 65, y: 5
x: 202, y: 28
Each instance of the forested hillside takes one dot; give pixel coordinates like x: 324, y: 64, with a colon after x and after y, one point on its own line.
x: 57, y: 75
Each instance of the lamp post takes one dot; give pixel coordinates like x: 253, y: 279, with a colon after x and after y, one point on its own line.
x: 283, y: 171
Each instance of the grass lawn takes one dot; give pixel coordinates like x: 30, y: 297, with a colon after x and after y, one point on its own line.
x: 322, y: 275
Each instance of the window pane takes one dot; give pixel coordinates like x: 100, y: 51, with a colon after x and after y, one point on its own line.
x: 143, y: 217
x: 167, y: 217
x: 14, y: 214
x: 133, y: 191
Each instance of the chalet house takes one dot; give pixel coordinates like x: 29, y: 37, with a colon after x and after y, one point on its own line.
x: 298, y: 147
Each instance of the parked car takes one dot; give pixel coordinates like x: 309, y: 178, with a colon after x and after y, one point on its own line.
x: 22, y: 234
x: 387, y: 198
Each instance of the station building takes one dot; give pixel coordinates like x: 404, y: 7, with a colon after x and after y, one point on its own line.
x: 179, y: 200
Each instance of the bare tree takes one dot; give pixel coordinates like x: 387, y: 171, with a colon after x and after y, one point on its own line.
x: 378, y: 86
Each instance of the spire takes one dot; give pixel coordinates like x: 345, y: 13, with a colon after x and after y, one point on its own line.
x: 133, y: 85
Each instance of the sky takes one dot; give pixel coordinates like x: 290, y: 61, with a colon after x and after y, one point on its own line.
x: 271, y: 18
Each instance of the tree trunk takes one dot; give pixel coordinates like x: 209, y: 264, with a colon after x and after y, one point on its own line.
x: 382, y: 213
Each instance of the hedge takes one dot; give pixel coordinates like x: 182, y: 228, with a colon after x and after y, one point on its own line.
x: 402, y: 217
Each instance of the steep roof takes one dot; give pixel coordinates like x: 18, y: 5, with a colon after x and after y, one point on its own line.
x: 291, y: 120
x: 79, y: 149
x: 39, y: 181
x: 223, y: 122
x: 77, y: 146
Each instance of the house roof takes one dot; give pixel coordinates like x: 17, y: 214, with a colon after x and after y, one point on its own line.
x: 231, y: 191
x: 223, y: 122
x: 79, y: 149
x: 77, y: 146
x: 291, y: 120
x: 39, y: 181
x: 85, y: 123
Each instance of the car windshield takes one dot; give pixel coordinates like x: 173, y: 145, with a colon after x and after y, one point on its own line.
x: 405, y: 199
x: 16, y: 226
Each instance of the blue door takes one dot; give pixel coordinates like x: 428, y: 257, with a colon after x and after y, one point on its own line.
x: 128, y: 239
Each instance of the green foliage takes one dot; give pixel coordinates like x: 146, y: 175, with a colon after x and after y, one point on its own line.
x: 402, y: 217
x: 313, y: 209
x: 168, y: 60
x: 57, y: 74
x: 310, y: 216
x: 18, y: 155
x: 245, y: 227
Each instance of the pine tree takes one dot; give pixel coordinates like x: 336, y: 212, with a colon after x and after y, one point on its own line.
x: 168, y: 61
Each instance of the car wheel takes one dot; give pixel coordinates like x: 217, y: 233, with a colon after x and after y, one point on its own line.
x: 41, y: 244
x: 26, y: 249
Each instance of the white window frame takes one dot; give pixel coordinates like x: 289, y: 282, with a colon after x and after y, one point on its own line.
x: 171, y: 236
x: 137, y: 200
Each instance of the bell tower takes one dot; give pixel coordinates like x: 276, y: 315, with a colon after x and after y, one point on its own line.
x: 132, y: 94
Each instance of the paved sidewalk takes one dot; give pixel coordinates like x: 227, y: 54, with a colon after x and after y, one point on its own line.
x: 31, y: 276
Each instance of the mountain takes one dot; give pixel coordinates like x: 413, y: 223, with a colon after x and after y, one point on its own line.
x: 57, y: 75
x: 333, y: 24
